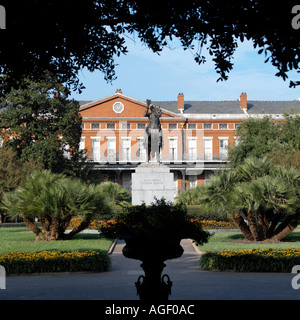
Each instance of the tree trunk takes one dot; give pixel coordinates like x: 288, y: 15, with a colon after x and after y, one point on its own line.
x: 2, y: 217
x: 262, y: 225
x: 46, y: 225
x: 238, y: 219
x: 273, y: 225
x: 253, y: 227
x: 30, y: 224
x: 83, y: 225
x: 286, y: 227
x: 55, y: 229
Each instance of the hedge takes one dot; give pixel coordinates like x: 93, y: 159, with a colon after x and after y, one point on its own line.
x: 54, y: 261
x: 196, y: 212
x: 253, y: 260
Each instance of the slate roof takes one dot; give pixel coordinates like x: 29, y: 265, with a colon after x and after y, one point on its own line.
x: 272, y: 107
x: 202, y: 106
x: 227, y: 107
x: 231, y: 107
x: 83, y: 102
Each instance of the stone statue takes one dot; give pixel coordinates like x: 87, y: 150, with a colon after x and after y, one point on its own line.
x: 153, y: 140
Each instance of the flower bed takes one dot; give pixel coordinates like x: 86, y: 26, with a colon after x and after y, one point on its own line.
x: 55, y: 261
x: 252, y: 260
x: 99, y: 224
x: 213, y: 224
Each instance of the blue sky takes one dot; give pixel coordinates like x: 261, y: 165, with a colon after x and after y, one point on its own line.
x: 143, y: 75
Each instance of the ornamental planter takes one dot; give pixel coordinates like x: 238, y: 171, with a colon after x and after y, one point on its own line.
x: 152, y: 235
x: 153, y: 286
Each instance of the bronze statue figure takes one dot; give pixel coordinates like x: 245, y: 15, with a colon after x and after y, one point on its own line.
x: 153, y: 135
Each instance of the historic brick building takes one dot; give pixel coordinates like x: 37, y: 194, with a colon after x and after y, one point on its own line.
x: 196, y: 134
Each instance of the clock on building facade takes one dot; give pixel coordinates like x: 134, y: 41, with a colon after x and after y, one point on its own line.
x: 118, y: 107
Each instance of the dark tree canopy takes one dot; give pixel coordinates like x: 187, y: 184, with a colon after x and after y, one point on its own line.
x: 64, y: 36
x: 38, y: 125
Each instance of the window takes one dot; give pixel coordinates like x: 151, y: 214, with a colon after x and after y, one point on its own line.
x: 126, y: 149
x: 207, y: 176
x: 141, y: 126
x: 192, y: 181
x: 172, y: 149
x: 236, y: 125
x: 126, y: 126
x: 207, y: 126
x: 95, y: 149
x: 82, y: 126
x: 82, y: 144
x: 223, y: 142
x: 141, y: 153
x: 126, y: 180
x: 192, y: 149
x: 95, y: 126
x: 172, y: 126
x: 111, y: 148
x: 192, y: 126
x: 222, y: 126
x: 208, y: 155
x: 111, y: 126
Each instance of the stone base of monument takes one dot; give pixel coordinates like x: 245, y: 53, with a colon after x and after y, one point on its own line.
x: 152, y: 180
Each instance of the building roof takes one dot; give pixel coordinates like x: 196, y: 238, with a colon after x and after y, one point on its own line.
x: 272, y: 107
x: 231, y: 107
x: 227, y: 107
x: 83, y: 102
x: 202, y: 106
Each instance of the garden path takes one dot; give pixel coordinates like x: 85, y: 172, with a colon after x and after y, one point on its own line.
x: 189, y: 282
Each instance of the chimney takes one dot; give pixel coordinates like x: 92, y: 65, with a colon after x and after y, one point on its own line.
x: 243, y: 101
x: 118, y: 91
x: 180, y: 102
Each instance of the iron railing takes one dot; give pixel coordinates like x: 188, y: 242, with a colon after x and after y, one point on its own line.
x: 132, y: 158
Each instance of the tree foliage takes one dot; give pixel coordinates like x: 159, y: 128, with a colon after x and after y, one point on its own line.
x: 279, y: 141
x: 263, y: 199
x: 13, y: 171
x: 63, y: 37
x: 115, y: 193
x: 39, y: 122
x: 54, y: 199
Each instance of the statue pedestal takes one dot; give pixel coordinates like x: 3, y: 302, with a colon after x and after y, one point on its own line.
x: 152, y: 180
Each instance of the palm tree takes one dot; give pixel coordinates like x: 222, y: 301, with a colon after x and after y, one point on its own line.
x: 54, y: 199
x: 188, y: 197
x: 263, y: 199
x: 114, y: 193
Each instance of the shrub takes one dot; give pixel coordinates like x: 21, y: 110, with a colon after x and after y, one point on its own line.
x: 161, y: 221
x: 54, y: 199
x: 252, y: 260
x: 55, y: 261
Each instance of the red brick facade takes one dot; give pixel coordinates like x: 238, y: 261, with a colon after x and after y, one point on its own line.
x: 196, y: 135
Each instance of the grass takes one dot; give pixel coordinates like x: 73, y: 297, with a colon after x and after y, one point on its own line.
x: 229, y: 241
x: 24, y: 242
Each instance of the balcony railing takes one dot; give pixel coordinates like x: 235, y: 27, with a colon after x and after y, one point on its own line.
x: 165, y: 158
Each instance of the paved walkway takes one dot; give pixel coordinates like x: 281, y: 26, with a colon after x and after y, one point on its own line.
x: 189, y: 283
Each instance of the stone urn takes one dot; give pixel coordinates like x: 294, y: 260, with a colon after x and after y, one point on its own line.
x: 153, y: 286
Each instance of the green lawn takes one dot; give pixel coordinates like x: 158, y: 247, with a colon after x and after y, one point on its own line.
x: 24, y: 241
x: 229, y: 240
